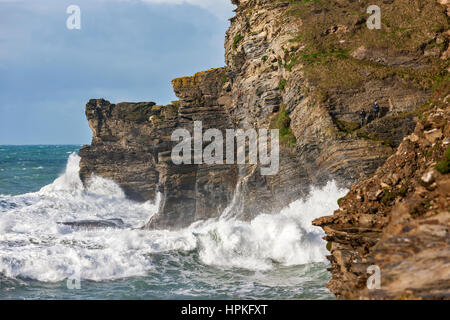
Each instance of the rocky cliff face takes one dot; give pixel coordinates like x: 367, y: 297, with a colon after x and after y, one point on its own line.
x: 398, y: 219
x: 304, y: 67
x: 132, y: 145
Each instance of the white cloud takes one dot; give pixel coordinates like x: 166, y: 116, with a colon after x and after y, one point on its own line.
x: 220, y: 8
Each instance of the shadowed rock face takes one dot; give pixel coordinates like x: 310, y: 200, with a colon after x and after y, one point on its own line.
x: 290, y: 66
x: 124, y: 147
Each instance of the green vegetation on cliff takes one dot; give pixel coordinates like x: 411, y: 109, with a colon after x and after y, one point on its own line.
x: 444, y: 166
x: 332, y: 31
x: 282, y: 122
x: 236, y: 40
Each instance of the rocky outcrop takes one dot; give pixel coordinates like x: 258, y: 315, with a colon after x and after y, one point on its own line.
x: 124, y: 146
x: 197, y: 191
x: 304, y: 67
x: 301, y: 59
x: 132, y: 145
x: 398, y: 219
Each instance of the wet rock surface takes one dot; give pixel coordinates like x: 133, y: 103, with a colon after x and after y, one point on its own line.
x: 95, y: 224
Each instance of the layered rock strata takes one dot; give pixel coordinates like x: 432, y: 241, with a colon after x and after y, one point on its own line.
x: 304, y: 67
x: 398, y: 220
x: 132, y: 146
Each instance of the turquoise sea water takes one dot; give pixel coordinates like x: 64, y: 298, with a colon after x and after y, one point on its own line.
x: 272, y: 257
x: 26, y: 169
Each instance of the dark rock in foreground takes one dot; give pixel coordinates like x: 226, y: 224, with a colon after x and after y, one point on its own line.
x: 398, y: 220
x: 95, y: 224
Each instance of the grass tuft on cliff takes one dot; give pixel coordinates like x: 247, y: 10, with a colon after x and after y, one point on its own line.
x: 236, y: 40
x: 444, y: 166
x: 282, y: 122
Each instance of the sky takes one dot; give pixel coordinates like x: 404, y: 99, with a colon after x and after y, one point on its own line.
x: 126, y: 50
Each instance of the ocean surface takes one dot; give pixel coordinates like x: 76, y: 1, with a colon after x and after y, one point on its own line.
x: 279, y: 256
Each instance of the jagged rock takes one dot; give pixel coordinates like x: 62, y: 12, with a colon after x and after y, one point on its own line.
x: 433, y: 135
x: 132, y: 145
x: 408, y: 239
x: 428, y: 178
x: 93, y: 224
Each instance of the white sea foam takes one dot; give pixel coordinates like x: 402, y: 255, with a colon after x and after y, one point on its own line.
x: 34, y: 245
x: 287, y: 238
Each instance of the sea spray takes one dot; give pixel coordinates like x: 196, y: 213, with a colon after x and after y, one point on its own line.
x: 34, y: 246
x: 287, y: 238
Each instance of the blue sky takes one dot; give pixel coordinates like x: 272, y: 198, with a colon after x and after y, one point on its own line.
x: 126, y: 50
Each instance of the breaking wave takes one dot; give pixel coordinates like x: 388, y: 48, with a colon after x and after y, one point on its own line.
x: 35, y: 244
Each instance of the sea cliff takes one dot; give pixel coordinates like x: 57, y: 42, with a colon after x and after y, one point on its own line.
x: 306, y: 68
